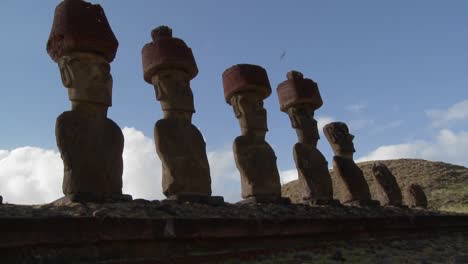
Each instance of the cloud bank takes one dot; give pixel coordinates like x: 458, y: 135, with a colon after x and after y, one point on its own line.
x: 31, y: 175
x: 456, y: 113
x: 447, y: 146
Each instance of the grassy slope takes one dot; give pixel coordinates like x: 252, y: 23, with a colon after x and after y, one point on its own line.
x: 446, y: 185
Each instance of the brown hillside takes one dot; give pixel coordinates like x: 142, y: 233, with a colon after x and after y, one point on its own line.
x: 446, y: 185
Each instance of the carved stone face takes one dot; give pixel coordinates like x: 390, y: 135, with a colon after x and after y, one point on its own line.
x: 302, y: 118
x: 340, y: 139
x: 87, y: 77
x: 248, y: 108
x: 172, y: 88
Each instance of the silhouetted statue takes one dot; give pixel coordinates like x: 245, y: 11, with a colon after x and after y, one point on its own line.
x: 387, y: 189
x: 415, y: 196
x: 299, y: 98
x: 169, y: 65
x: 349, y: 182
x: 91, y: 145
x: 245, y: 88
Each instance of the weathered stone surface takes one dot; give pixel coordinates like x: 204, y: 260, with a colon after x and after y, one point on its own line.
x: 245, y: 78
x: 415, y: 196
x: 167, y: 53
x: 341, y: 141
x: 265, y: 199
x: 245, y: 87
x: 349, y: 182
x: 297, y: 90
x: 91, y: 149
x: 197, y: 198
x: 169, y: 65
x: 91, y: 145
x: 388, y: 191
x: 181, y: 148
x: 314, y: 177
x: 80, y: 26
x: 172, y: 89
x: 88, y: 81
x: 256, y: 162
x: 299, y: 98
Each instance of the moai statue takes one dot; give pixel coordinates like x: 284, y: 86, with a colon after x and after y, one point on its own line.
x: 82, y: 43
x: 388, y: 191
x: 245, y: 88
x: 415, y: 197
x: 169, y: 65
x: 351, y: 186
x: 299, y: 98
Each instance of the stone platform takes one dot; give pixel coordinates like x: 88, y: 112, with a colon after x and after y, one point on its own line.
x: 173, y: 232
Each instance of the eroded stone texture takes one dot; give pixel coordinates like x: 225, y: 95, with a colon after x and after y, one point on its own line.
x: 91, y: 145
x: 91, y: 149
x: 388, y: 191
x: 299, y: 98
x: 415, y: 196
x: 169, y: 65
x: 245, y: 88
x: 349, y: 182
x: 185, y: 170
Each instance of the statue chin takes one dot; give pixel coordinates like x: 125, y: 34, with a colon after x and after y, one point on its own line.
x: 101, y: 99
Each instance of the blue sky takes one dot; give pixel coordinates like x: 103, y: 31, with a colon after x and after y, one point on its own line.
x: 395, y: 71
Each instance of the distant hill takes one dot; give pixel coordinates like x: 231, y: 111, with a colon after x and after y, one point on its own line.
x: 446, y: 185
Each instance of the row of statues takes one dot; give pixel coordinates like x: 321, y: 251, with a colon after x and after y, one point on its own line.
x: 83, y: 45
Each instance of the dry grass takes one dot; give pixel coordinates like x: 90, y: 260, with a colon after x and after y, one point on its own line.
x: 446, y: 185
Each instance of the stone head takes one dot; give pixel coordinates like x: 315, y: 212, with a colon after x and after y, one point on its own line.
x: 83, y: 44
x: 415, y: 196
x: 245, y: 88
x: 248, y: 108
x: 299, y: 98
x: 340, y: 139
x: 173, y: 91
x: 302, y: 119
x: 169, y: 65
x: 87, y: 77
x: 381, y: 173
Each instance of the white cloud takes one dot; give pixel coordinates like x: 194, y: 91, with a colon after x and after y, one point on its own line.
x: 457, y: 112
x: 225, y: 178
x: 322, y: 121
x: 288, y: 175
x: 448, y: 146
x: 30, y: 175
x: 356, y: 108
x: 353, y: 125
x: 142, y: 168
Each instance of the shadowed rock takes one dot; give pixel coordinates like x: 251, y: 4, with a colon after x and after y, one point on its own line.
x: 91, y: 145
x: 169, y: 65
x: 388, y: 191
x: 415, y: 196
x: 349, y: 182
x: 245, y: 88
x: 299, y: 98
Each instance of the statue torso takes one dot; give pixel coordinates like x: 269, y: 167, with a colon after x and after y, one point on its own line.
x: 313, y: 172
x: 256, y: 162
x: 182, y: 150
x: 91, y: 149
